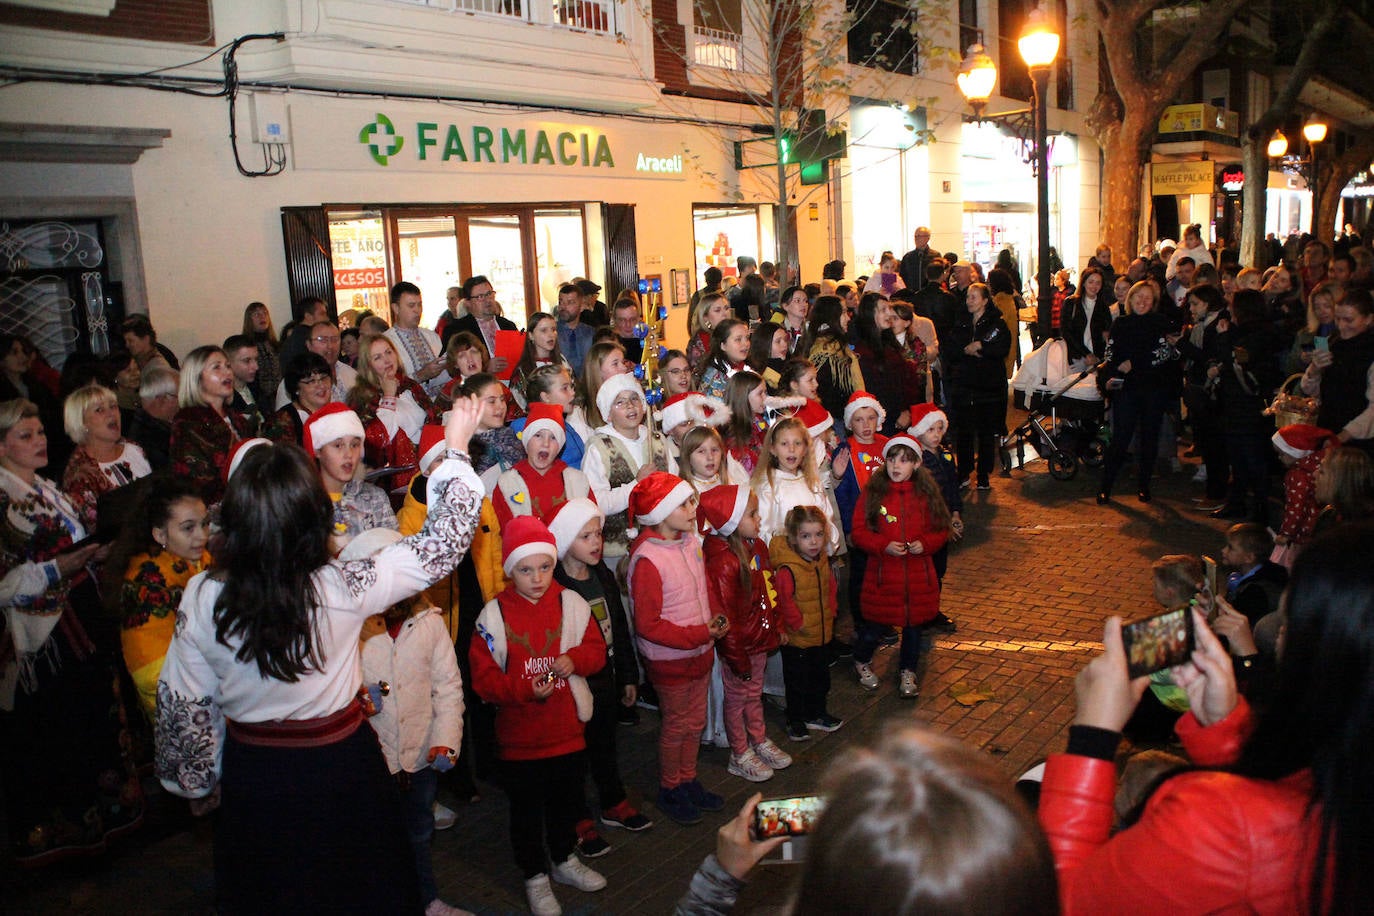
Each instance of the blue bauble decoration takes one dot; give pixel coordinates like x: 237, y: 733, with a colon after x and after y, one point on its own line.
x: 641, y: 330
x: 639, y: 371
x: 662, y: 353
x: 662, y: 313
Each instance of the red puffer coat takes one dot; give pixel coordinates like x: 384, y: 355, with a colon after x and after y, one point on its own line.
x: 755, y: 623
x: 1207, y: 842
x: 899, y: 591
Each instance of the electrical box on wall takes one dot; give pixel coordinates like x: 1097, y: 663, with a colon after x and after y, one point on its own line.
x: 269, y: 117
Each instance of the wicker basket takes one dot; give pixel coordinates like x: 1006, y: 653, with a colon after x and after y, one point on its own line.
x: 1291, y: 406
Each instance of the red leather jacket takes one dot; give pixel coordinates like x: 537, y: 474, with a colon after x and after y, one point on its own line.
x: 754, y: 619
x: 899, y: 591
x: 1208, y: 841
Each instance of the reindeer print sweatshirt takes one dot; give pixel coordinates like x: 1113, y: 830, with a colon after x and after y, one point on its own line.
x: 527, y: 728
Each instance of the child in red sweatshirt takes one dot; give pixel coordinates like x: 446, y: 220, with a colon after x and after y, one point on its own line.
x: 534, y: 646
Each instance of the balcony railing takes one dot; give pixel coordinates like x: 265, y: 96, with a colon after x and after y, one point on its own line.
x: 716, y: 48
x: 587, y: 15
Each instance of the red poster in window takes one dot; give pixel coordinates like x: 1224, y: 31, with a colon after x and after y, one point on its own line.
x: 367, y: 278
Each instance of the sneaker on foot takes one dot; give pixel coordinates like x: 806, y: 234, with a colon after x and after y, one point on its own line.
x: 867, y: 679
x: 590, y: 844
x: 825, y: 723
x: 539, y: 893
x: 675, y: 803
x: 698, y: 795
x: 574, y: 874
x: 984, y: 485
x: 907, y: 685
x: 438, y: 907
x: 1201, y: 475
x: 750, y: 766
x: 773, y: 755
x: 444, y: 817
x: 625, y: 816
x: 796, y: 731
x: 942, y: 622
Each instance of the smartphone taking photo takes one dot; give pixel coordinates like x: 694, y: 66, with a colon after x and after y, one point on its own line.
x: 1158, y: 642
x: 794, y: 815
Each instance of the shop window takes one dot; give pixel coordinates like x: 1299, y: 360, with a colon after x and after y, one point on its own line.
x: 722, y: 234
x: 357, y: 248
x: 560, y: 251
x: 882, y: 35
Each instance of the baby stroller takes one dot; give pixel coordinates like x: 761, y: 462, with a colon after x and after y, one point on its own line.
x: 1065, y: 413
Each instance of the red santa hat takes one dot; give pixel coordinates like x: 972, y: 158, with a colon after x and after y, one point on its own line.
x: 525, y: 536
x: 545, y: 416
x: 722, y: 508
x: 923, y: 417
x: 1300, y: 439
x: 569, y: 519
x: 694, y: 408
x: 237, y: 453
x: 328, y: 424
x: 432, y: 441
x: 613, y: 388
x: 816, y: 417
x: 857, y: 402
x: 902, y: 439
x: 655, y: 497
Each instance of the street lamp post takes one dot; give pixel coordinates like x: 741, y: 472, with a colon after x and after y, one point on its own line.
x: 1039, y: 46
x: 1314, y: 132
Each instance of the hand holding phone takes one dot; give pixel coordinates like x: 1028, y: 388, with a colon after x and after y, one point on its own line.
x: 1158, y: 642
x: 793, y: 815
x: 738, y: 849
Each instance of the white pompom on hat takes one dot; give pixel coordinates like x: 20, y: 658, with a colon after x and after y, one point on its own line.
x: 568, y: 521
x: 857, y: 402
x: 613, y: 388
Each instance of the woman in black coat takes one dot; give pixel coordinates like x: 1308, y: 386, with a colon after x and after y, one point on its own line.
x: 1248, y: 373
x: 1086, y: 319
x: 1140, y: 371
x: 889, y: 375
x: 975, y: 363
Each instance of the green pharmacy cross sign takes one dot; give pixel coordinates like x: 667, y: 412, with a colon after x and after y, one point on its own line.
x: 381, y: 139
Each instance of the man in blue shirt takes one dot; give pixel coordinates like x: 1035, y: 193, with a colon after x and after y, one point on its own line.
x: 574, y: 337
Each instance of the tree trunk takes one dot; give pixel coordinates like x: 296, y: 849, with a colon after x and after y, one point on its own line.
x: 1254, y: 199
x: 1123, y: 173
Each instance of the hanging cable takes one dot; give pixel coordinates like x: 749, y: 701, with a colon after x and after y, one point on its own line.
x: 273, y: 154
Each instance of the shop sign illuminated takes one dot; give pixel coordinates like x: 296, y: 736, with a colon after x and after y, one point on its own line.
x: 479, y: 143
x: 668, y: 164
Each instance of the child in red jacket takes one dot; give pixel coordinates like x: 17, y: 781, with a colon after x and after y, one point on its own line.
x: 534, y: 646
x: 900, y: 522
x: 739, y: 582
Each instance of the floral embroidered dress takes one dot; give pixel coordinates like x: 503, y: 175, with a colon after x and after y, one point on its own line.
x: 201, y: 440
x: 153, y: 584
x: 87, y: 479
x: 70, y: 783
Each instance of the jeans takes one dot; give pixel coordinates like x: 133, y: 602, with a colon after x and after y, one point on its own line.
x: 867, y: 643
x: 979, y: 423
x: 418, y: 798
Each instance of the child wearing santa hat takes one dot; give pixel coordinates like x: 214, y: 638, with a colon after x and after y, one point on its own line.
x: 739, y: 583
x: 675, y: 633
x: 620, y: 453
x: 576, y: 527
x: 334, y: 435
x: 1300, y: 447
x: 928, y: 427
x: 542, y: 482
x: 534, y: 647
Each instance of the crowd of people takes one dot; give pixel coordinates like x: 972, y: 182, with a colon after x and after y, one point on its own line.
x: 307, y: 577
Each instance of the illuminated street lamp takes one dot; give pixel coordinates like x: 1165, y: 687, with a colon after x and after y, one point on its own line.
x: 1039, y: 46
x: 1314, y: 132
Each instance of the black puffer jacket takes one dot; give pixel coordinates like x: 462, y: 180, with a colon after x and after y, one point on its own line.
x: 983, y: 377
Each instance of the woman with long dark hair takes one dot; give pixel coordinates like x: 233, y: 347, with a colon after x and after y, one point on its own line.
x: 1275, y: 819
x: 257, y: 327
x: 258, y: 700
x: 837, y: 368
x: 890, y: 376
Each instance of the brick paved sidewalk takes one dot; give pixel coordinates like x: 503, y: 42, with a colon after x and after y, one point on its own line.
x: 1041, y: 568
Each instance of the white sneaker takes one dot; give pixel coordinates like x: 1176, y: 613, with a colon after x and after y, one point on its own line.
x: 750, y: 766
x: 438, y: 907
x: 444, y: 817
x: 1201, y: 475
x: 867, y: 679
x: 773, y: 755
x: 574, y: 874
x: 539, y: 893
x: 907, y: 686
